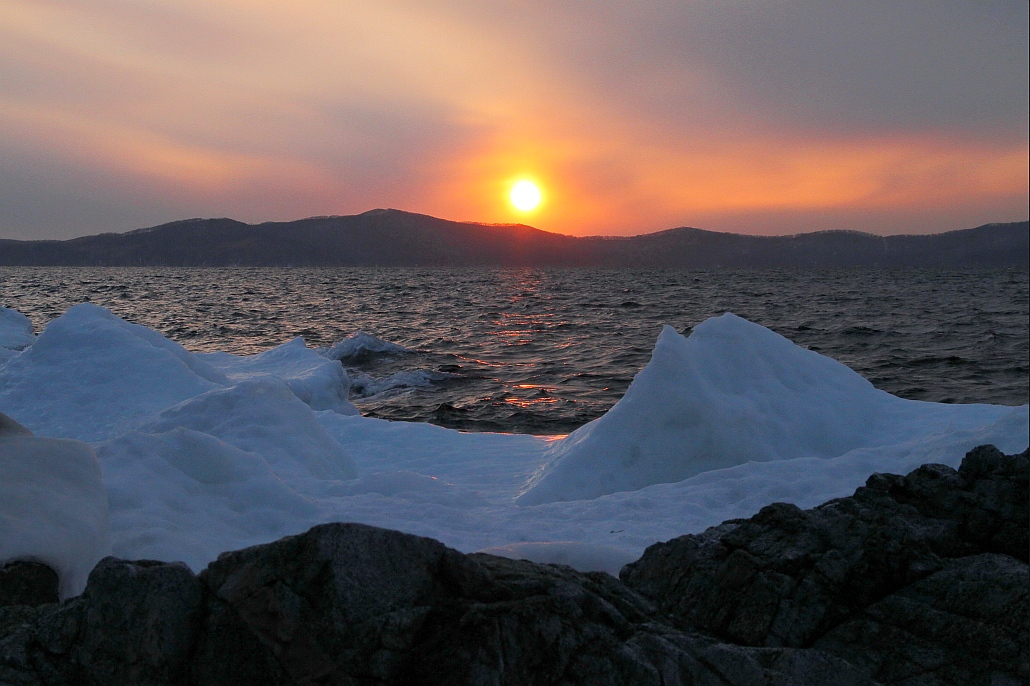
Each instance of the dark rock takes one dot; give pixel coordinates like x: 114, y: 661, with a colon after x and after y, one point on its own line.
x: 348, y: 603
x: 27, y: 583
x: 916, y: 579
x: 911, y: 581
x: 136, y: 623
x: 975, y: 607
x: 353, y: 604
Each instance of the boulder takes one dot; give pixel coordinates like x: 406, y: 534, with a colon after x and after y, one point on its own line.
x: 921, y: 576
x: 27, y: 583
x: 913, y: 580
x: 354, y: 604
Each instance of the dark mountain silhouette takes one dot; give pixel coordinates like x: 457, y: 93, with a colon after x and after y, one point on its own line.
x: 395, y: 238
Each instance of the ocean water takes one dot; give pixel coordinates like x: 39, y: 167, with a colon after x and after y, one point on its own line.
x: 545, y: 351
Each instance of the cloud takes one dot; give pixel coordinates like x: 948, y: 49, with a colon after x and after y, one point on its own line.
x: 634, y: 116
x: 804, y: 63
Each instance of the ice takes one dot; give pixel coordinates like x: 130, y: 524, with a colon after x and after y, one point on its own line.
x: 733, y: 392
x: 414, y: 487
x: 196, y: 454
x: 321, y: 383
x: 262, y: 416
x: 7, y: 354
x: 186, y: 495
x: 53, y: 505
x: 361, y: 347
x: 92, y: 376
x: 15, y: 330
x: 366, y: 386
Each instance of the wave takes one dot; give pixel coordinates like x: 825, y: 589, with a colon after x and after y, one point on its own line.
x: 361, y: 347
x: 364, y: 386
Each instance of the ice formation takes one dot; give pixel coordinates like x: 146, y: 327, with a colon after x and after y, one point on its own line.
x: 734, y: 392
x: 367, y: 386
x: 15, y: 330
x: 93, y: 376
x: 360, y: 347
x: 319, y: 382
x: 200, y: 453
x: 53, y: 507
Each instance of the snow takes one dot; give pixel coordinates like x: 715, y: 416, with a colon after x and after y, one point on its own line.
x: 262, y: 416
x: 186, y: 495
x: 53, y: 507
x: 321, y: 383
x: 196, y: 454
x: 733, y: 392
x: 92, y: 376
x: 15, y: 330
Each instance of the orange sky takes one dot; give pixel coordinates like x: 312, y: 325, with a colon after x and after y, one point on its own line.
x: 759, y: 117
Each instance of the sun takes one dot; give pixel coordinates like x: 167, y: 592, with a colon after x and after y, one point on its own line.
x: 525, y: 196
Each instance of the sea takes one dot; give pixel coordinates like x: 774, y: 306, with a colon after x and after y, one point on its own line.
x: 543, y: 351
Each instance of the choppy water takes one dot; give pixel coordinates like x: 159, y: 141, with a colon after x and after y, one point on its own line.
x: 544, y: 351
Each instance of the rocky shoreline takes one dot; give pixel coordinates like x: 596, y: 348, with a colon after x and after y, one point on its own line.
x: 913, y: 580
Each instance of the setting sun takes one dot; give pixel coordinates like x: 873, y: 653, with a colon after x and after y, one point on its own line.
x: 525, y: 196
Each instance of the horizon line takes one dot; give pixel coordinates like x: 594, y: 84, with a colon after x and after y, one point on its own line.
x: 504, y: 225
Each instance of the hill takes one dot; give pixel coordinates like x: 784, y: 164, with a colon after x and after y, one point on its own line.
x: 396, y: 238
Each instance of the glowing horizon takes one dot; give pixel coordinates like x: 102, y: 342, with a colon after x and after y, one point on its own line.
x: 115, y: 116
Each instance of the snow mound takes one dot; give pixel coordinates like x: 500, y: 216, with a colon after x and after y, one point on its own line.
x: 731, y: 393
x: 262, y: 416
x: 186, y: 495
x: 91, y: 376
x: 321, y: 383
x: 414, y: 487
x: 361, y: 347
x: 53, y: 505
x: 15, y: 330
x: 584, y: 557
x: 199, y: 454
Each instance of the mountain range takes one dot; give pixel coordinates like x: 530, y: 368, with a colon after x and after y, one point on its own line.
x: 391, y: 238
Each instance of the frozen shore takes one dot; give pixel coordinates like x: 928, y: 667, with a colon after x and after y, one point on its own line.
x: 917, y: 579
x: 184, y: 455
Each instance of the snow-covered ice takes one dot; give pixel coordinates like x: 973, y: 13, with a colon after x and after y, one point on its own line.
x: 92, y: 376
x: 53, y: 508
x: 201, y: 453
x: 319, y: 382
x: 15, y: 330
x: 735, y: 392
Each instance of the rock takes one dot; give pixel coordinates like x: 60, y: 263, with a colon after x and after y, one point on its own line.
x: 911, y: 581
x: 349, y: 603
x: 964, y: 624
x: 354, y: 604
x: 915, y: 577
x: 27, y: 583
x: 136, y: 623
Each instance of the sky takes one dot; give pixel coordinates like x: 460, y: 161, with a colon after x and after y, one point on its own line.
x: 752, y: 116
